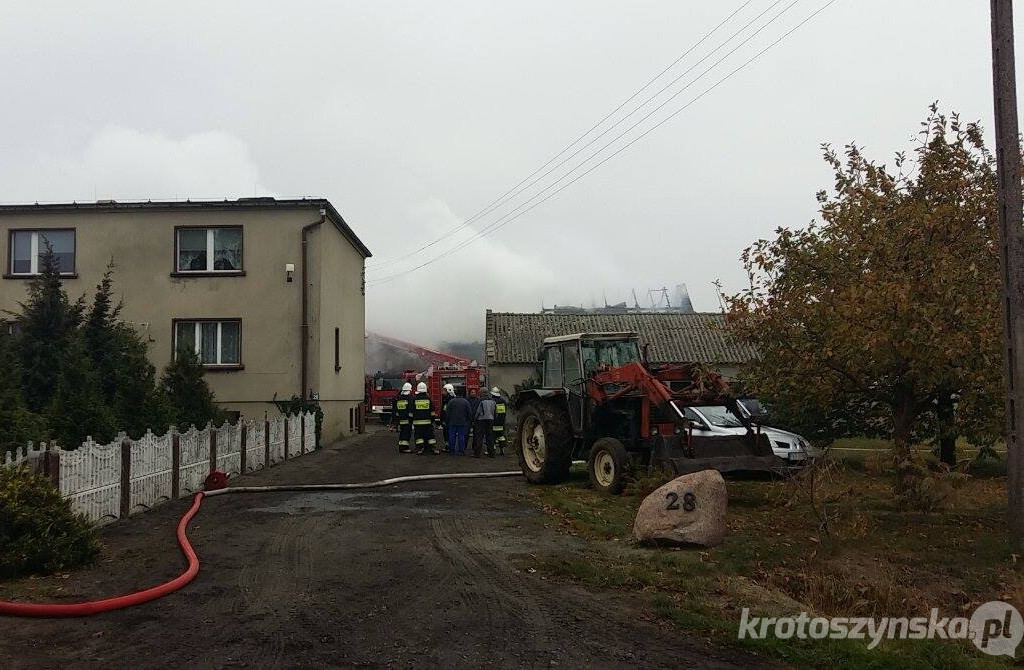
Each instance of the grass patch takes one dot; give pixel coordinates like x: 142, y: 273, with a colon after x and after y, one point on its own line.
x: 878, y: 560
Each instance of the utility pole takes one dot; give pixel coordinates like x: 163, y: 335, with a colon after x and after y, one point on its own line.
x: 1011, y: 226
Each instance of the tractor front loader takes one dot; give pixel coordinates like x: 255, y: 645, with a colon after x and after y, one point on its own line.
x: 601, y: 401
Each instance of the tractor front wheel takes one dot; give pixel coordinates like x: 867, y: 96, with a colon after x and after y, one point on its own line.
x: 607, y: 466
x: 545, y: 443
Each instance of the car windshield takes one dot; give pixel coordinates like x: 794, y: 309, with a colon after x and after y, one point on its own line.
x: 610, y: 353
x: 719, y: 416
x: 752, y: 406
x: 389, y: 383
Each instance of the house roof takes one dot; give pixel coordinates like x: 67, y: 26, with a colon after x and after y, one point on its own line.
x: 177, y: 205
x: 672, y: 338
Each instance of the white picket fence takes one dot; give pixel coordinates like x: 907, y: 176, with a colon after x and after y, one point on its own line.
x: 111, y: 481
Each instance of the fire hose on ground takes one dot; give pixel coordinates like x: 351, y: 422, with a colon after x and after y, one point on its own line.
x: 139, y: 597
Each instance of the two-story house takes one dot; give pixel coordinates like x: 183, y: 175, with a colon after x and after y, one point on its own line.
x: 270, y: 293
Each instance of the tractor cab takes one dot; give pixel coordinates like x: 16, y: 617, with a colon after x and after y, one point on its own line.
x: 569, y: 359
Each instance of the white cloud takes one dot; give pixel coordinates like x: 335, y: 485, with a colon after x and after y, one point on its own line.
x: 129, y: 164
x: 446, y: 300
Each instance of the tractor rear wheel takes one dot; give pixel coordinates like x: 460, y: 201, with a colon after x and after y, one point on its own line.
x: 545, y: 443
x: 606, y: 466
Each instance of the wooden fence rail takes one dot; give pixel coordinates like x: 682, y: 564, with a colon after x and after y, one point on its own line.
x: 111, y: 481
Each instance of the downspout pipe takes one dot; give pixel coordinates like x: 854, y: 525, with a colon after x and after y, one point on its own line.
x: 304, y: 374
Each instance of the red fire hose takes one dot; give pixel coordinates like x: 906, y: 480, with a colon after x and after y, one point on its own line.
x: 130, y: 599
x: 127, y: 600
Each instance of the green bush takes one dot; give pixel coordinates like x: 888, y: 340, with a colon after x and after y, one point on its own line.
x: 39, y: 533
x: 18, y: 424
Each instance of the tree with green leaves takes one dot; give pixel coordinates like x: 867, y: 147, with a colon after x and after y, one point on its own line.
x: 127, y: 379
x: 78, y: 409
x: 191, y: 399
x: 884, y: 316
x: 47, y: 321
x: 18, y: 424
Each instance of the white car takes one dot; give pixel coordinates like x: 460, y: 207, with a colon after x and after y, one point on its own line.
x: 793, y: 449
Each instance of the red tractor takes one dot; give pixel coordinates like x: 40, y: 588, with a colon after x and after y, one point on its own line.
x: 601, y: 401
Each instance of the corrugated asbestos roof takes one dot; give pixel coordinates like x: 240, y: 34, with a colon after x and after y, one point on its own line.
x: 672, y: 338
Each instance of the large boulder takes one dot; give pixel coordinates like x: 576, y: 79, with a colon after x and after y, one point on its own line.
x: 689, y: 510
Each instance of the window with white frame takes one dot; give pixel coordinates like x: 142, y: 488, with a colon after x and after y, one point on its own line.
x: 28, y: 247
x: 215, y: 342
x: 208, y: 249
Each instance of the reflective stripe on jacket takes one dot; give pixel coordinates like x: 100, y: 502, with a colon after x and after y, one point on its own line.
x: 499, y: 415
x: 401, y: 409
x: 422, y: 410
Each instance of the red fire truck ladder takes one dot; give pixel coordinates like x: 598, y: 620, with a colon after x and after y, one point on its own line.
x: 432, y: 356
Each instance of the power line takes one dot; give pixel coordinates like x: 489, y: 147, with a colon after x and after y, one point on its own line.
x: 649, y: 114
x: 662, y: 90
x: 499, y: 223
x: 506, y: 195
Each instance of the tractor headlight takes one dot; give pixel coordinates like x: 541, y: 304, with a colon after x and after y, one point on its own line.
x: 678, y: 430
x: 654, y: 430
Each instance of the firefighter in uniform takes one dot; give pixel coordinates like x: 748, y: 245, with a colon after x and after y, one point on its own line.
x: 401, y: 412
x: 423, y: 421
x: 500, y: 410
x: 446, y: 394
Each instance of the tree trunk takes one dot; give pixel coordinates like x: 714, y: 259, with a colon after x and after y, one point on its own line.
x: 903, y: 414
x: 947, y: 432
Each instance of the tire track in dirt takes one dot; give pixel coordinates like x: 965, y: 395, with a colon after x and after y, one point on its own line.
x: 275, y: 583
x: 516, y: 605
x: 498, y: 602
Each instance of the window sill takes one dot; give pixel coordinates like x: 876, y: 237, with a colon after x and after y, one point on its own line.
x: 223, y: 368
x: 73, y: 275
x: 212, y: 273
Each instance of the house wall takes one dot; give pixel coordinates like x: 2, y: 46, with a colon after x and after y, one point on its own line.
x: 141, y: 245
x: 506, y: 376
x: 338, y: 302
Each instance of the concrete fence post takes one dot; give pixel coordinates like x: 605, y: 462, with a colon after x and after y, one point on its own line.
x: 213, y: 448
x: 286, y: 437
x: 51, y: 466
x: 266, y: 442
x: 243, y: 440
x: 175, y: 465
x: 126, y: 477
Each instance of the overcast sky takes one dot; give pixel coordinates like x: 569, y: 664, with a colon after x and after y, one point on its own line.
x: 413, y: 116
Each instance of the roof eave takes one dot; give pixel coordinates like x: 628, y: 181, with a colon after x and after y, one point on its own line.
x: 165, y: 205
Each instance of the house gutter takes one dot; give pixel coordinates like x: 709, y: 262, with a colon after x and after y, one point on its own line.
x: 304, y: 375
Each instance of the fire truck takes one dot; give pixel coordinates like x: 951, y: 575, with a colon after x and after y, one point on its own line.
x: 444, y: 368
x: 381, y: 389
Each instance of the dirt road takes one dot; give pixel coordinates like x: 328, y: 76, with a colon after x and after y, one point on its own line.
x: 433, y: 574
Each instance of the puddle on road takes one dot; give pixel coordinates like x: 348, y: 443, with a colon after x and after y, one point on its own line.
x: 330, y: 501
